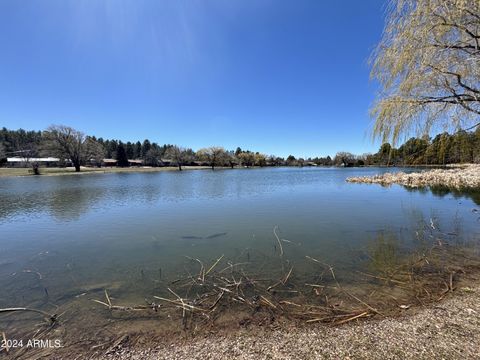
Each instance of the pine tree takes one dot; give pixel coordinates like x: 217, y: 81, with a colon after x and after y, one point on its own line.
x: 146, y: 146
x: 137, y: 154
x: 121, y: 156
x: 130, y: 150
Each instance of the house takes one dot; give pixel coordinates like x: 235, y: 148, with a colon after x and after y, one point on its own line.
x: 133, y: 162
x: 201, y: 163
x: 109, y: 162
x: 166, y: 162
x: 25, y: 162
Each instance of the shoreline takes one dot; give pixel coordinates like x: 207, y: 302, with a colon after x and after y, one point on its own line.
x: 55, y: 171
x: 443, y: 324
x: 25, y: 172
x: 447, y: 329
x: 457, y: 177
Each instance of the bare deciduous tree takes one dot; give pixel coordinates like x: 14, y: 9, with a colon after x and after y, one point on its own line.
x: 29, y: 150
x: 344, y: 158
x: 260, y: 159
x: 153, y: 157
x: 95, y: 151
x: 179, y: 155
x: 231, y: 159
x: 428, y: 66
x: 214, y: 155
x: 67, y: 142
x: 246, y: 158
x: 26, y: 153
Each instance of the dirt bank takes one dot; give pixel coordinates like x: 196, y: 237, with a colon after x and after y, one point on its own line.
x: 447, y: 330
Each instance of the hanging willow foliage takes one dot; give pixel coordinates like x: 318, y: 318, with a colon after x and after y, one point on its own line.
x: 428, y: 67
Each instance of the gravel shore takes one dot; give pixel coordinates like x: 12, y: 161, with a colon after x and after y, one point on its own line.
x: 455, y: 177
x: 447, y: 330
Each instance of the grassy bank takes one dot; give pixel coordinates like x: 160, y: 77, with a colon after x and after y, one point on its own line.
x: 88, y: 170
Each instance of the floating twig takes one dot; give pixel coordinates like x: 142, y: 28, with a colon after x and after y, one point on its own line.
x: 285, y: 279
x: 278, y: 240
x: 363, y: 314
x: 52, y: 317
x: 117, y: 307
x: 28, y: 271
x: 215, y: 264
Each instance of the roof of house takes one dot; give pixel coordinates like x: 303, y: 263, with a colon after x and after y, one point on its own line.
x: 134, y: 161
x: 109, y: 160
x: 24, y: 159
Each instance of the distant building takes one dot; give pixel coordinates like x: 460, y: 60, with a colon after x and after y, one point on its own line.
x: 135, y: 162
x: 201, y: 163
x: 109, y: 162
x: 25, y: 162
x: 166, y: 162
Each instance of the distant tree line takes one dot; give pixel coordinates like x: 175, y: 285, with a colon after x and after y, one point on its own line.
x: 460, y: 147
x: 71, y: 145
x: 68, y: 144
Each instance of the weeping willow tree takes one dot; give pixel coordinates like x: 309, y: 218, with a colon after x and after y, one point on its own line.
x: 428, y: 67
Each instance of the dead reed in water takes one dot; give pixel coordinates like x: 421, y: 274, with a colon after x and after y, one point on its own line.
x: 51, y: 317
x: 457, y: 178
x: 203, y: 295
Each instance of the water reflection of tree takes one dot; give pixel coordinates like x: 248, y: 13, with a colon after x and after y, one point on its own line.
x: 18, y: 204
x: 70, y: 204
x: 442, y: 191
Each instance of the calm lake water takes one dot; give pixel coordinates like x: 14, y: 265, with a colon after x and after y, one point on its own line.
x: 63, y: 237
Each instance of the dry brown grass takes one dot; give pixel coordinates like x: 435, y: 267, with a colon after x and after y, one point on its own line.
x: 458, y: 178
x: 448, y: 330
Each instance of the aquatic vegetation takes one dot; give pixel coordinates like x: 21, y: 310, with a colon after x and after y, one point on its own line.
x: 239, y: 290
x: 457, y: 178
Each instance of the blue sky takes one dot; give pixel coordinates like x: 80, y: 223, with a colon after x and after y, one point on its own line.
x: 280, y: 77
